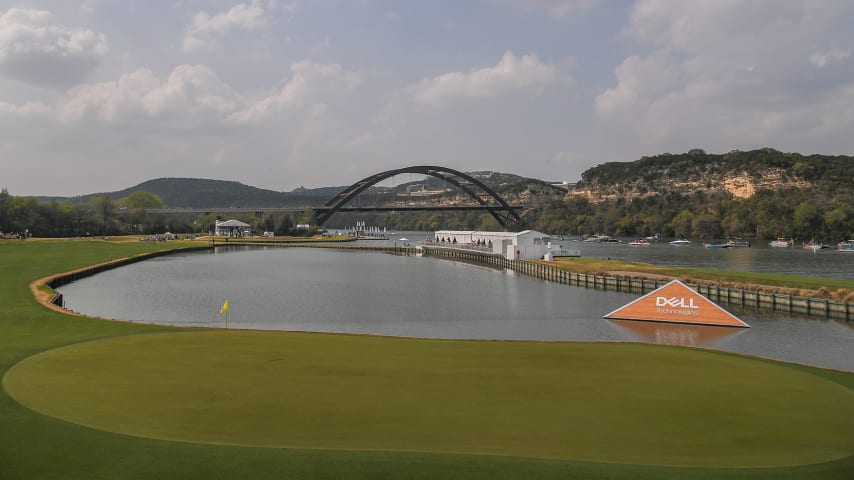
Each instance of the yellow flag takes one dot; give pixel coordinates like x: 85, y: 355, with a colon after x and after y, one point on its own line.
x: 224, y: 308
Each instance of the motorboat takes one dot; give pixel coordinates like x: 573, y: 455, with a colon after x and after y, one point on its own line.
x: 781, y: 242
x: 680, y: 243
x: 845, y: 246
x: 731, y: 243
x: 639, y: 243
x: 813, y: 245
x: 597, y: 238
x: 737, y: 243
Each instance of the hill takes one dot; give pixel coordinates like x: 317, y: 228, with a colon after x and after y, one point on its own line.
x: 741, y: 174
x: 756, y: 194
x: 203, y: 193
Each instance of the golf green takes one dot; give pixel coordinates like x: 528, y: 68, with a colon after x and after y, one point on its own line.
x: 617, y: 403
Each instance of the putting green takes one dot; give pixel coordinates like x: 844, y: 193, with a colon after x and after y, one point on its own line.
x: 620, y: 403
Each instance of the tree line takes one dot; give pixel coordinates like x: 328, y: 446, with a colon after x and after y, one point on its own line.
x: 103, y: 216
x: 800, y: 213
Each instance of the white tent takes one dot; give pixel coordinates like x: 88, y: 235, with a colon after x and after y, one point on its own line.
x: 232, y: 228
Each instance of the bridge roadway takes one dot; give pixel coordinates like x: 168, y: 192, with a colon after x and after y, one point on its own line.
x: 262, y: 210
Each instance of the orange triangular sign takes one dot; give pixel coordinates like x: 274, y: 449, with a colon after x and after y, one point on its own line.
x: 676, y: 303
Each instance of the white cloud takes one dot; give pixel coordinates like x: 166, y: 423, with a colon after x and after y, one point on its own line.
x: 726, y: 74
x: 556, y: 8
x: 204, y: 27
x: 832, y: 55
x: 321, y: 46
x: 194, y: 97
x: 37, y: 51
x: 511, y: 73
x: 305, y: 90
x: 640, y: 80
x: 28, y: 109
x: 191, y: 92
x: 704, y: 25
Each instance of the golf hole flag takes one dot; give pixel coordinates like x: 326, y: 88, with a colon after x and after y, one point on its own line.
x: 224, y: 308
x: 676, y: 303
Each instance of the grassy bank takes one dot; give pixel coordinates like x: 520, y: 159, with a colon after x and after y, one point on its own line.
x: 837, y: 288
x: 348, y: 406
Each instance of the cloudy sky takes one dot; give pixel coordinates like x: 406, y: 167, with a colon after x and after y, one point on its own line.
x: 99, y: 95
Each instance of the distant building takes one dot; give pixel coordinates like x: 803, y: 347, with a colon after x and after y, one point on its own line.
x: 232, y: 228
x: 564, y: 185
x: 526, y: 245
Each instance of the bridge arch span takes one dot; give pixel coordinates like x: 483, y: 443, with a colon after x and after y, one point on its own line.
x: 504, y: 214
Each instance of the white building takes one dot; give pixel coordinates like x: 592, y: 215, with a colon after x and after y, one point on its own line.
x: 232, y: 228
x: 526, y: 245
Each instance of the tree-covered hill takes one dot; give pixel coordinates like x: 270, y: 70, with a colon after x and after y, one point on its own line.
x: 203, y: 193
x: 756, y: 194
x: 762, y: 193
x: 740, y: 173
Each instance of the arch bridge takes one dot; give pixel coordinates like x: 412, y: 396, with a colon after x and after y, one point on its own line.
x: 506, y: 215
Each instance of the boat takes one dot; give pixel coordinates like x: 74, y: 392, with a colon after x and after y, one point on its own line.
x: 639, y: 243
x: 681, y: 242
x: 597, y: 238
x: 361, y: 231
x: 564, y: 253
x: 845, y: 246
x: 813, y: 245
x: 737, y: 243
x: 781, y: 242
x: 731, y: 243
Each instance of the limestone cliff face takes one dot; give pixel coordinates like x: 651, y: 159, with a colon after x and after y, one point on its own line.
x: 744, y: 185
x: 741, y: 174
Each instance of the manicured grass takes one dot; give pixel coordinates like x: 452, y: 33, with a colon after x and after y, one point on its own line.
x: 623, y: 403
x: 38, y: 446
x: 591, y: 265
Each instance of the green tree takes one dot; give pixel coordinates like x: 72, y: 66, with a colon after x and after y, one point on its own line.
x: 706, y: 226
x: 5, y: 215
x: 103, y: 207
x: 806, y: 220
x: 682, y: 224
x: 141, y: 200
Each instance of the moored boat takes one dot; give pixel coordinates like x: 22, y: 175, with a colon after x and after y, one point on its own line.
x: 639, y: 243
x: 781, y: 242
x: 680, y: 243
x: 813, y: 245
x: 845, y: 246
x: 737, y: 243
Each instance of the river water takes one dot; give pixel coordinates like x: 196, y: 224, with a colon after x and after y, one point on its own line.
x: 330, y: 290
x: 759, y: 258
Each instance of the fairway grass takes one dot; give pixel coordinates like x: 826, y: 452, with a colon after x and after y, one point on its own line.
x: 623, y: 403
x: 170, y: 403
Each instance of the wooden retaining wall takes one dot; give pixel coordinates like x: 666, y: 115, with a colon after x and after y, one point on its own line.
x: 818, y: 307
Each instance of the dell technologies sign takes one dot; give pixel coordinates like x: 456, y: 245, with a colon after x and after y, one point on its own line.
x: 678, y: 303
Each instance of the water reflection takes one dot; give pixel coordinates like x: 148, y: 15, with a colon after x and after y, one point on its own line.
x: 675, y: 333
x: 327, y: 290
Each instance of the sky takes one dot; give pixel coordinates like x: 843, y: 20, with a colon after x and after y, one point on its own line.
x: 100, y: 95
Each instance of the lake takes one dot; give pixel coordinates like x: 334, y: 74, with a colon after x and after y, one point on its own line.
x: 329, y: 290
